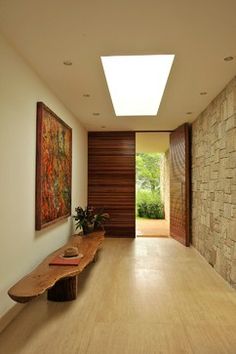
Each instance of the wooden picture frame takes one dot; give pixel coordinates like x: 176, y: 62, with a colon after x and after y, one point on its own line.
x: 53, y: 168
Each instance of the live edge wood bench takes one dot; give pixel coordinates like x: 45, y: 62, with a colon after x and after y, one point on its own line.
x: 60, y: 282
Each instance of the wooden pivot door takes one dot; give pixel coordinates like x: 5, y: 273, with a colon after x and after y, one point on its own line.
x: 180, y: 184
x: 111, y: 179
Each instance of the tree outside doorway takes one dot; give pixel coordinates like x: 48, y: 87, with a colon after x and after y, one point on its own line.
x: 149, y: 203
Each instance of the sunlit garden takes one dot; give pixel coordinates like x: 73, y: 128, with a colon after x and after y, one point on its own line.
x: 148, y: 186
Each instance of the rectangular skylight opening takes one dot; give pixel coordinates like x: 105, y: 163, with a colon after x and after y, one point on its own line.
x: 137, y: 82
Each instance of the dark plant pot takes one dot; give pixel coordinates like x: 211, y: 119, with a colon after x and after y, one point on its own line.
x: 88, y: 228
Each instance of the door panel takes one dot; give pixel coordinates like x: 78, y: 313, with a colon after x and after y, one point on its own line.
x: 111, y: 179
x: 180, y: 184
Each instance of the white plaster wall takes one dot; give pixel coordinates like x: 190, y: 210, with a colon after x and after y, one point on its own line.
x: 21, y: 248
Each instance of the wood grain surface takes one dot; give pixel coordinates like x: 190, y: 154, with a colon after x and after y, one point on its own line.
x: 64, y: 289
x: 44, y: 276
x: 180, y: 185
x: 111, y: 179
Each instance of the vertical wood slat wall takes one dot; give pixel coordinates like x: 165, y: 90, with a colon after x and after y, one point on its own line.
x: 111, y: 179
x: 180, y: 184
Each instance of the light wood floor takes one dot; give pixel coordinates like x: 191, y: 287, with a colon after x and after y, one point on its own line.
x: 142, y: 296
x: 152, y: 228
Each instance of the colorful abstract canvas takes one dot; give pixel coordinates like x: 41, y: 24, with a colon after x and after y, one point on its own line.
x: 53, y: 168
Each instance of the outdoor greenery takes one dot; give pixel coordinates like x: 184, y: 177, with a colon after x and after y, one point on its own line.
x: 149, y: 205
x: 148, y: 200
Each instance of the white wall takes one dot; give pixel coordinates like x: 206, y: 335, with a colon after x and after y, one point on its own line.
x: 152, y: 142
x: 21, y: 248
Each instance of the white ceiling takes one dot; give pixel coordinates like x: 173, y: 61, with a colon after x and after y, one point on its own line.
x: 200, y: 34
x: 152, y: 142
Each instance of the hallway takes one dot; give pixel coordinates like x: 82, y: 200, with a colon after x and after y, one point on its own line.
x: 142, y: 296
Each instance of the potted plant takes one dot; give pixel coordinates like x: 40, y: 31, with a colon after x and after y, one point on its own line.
x: 89, y: 219
x: 100, y: 218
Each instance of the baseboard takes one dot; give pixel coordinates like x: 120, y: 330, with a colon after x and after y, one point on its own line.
x: 9, y: 316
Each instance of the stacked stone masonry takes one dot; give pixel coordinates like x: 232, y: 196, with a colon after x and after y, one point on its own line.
x: 214, y: 183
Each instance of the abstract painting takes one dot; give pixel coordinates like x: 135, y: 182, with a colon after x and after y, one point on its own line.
x: 53, y: 168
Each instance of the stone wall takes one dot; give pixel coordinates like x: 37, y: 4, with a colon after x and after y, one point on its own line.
x: 214, y: 183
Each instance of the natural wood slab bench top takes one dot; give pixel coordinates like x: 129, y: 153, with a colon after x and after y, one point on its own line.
x: 44, y: 276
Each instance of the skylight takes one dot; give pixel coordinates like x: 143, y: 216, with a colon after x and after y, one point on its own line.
x: 137, y: 82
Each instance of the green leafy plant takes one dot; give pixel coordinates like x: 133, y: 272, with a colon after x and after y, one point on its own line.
x: 89, y: 219
x: 100, y: 219
x: 148, y: 171
x: 149, y: 205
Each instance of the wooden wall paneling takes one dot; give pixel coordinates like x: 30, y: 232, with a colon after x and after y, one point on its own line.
x: 111, y: 179
x: 180, y: 184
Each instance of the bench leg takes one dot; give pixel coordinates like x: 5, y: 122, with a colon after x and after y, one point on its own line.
x: 64, y: 290
x: 95, y: 258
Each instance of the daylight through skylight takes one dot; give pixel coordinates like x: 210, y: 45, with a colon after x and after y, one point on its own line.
x: 137, y: 82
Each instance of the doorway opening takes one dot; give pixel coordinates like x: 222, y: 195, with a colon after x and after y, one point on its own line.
x: 152, y: 185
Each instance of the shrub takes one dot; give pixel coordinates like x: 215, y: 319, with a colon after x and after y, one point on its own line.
x: 149, y: 205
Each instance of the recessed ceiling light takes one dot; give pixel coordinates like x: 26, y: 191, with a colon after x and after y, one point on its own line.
x: 137, y: 82
x: 228, y: 58
x: 86, y: 95
x: 67, y: 62
x: 203, y: 93
x: 96, y: 114
x: 189, y: 113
